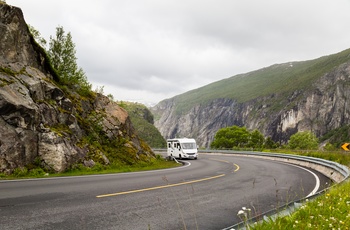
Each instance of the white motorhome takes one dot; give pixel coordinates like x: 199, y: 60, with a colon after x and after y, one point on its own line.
x: 182, y: 148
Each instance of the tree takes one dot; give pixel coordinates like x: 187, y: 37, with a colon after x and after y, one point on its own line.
x: 270, y: 144
x: 231, y: 137
x: 63, y: 58
x: 303, y: 140
x: 37, y: 36
x: 256, y: 139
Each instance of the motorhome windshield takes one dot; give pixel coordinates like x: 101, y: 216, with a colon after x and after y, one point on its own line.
x: 188, y: 145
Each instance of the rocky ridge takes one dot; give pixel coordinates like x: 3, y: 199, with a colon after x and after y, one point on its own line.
x: 45, y: 124
x: 320, y: 108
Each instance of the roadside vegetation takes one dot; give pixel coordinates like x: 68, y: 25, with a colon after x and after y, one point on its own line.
x: 328, y: 211
x: 35, y: 171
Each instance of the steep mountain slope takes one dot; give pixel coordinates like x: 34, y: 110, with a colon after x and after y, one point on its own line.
x: 278, y: 101
x: 47, y: 124
x: 143, y: 121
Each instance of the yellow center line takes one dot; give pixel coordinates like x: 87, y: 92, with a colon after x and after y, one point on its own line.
x: 236, y: 165
x: 159, y: 187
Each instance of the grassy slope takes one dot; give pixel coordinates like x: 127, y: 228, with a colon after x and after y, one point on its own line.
x: 142, y: 119
x: 277, y: 79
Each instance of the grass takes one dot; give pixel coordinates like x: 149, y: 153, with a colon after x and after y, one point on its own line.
x: 143, y: 121
x: 340, y: 157
x: 277, y: 81
x: 328, y: 211
x: 80, y: 169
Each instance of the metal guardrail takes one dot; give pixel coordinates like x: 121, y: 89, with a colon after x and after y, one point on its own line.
x: 335, y: 171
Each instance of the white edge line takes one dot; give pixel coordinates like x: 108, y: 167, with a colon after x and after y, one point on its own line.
x: 317, y: 186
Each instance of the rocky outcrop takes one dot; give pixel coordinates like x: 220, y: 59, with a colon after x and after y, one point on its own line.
x: 321, y: 108
x: 42, y: 123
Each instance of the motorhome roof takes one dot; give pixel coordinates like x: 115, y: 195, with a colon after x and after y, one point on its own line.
x: 182, y: 140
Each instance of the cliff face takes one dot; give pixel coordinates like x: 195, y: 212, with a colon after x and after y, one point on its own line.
x: 321, y: 108
x: 39, y: 121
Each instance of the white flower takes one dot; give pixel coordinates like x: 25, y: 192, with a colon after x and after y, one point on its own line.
x: 240, y: 212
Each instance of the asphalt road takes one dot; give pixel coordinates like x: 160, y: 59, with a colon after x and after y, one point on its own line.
x: 205, y: 194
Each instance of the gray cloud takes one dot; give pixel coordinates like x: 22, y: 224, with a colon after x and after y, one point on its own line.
x: 149, y: 50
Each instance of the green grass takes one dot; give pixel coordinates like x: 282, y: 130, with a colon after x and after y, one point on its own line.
x: 329, y: 211
x: 340, y: 156
x: 143, y: 121
x: 79, y: 169
x: 279, y: 80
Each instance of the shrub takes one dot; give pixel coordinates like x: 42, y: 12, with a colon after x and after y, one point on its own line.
x: 303, y: 140
x: 20, y: 172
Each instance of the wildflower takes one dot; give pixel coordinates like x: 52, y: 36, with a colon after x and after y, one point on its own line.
x: 240, y: 212
x: 244, y: 216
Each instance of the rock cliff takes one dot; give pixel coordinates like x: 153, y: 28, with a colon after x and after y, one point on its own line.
x: 44, y: 123
x: 319, y: 107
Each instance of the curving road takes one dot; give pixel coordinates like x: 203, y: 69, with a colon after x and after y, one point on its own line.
x: 205, y: 194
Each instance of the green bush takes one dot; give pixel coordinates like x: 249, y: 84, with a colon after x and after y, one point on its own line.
x: 20, y: 172
x: 38, y: 172
x: 239, y: 137
x: 303, y: 140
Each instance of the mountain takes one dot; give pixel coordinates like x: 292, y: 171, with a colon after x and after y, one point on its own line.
x: 46, y: 124
x: 143, y: 121
x: 279, y: 101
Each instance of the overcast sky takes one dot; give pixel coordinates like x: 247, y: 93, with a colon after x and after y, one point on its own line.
x: 150, y: 50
